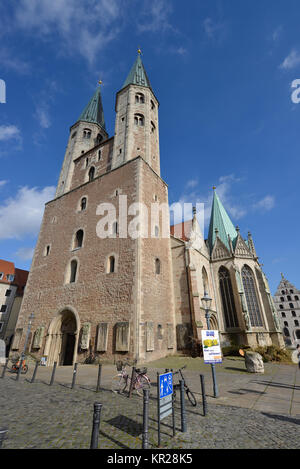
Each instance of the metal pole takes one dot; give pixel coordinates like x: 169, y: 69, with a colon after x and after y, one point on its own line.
x: 4, y: 368
x: 35, y: 371
x: 213, y: 369
x: 182, y: 405
x: 22, y: 357
x: 99, y: 378
x: 158, y: 410
x: 53, y: 374
x: 96, y: 425
x: 203, y: 395
x: 3, y: 432
x: 145, y: 419
x: 74, y: 376
x: 132, y: 381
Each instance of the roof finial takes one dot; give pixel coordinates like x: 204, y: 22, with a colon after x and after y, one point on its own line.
x: 282, y: 276
x: 214, y: 188
x: 237, y: 228
x: 139, y: 51
x: 100, y: 82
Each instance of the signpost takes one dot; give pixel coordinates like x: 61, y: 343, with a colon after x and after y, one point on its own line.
x: 165, y: 405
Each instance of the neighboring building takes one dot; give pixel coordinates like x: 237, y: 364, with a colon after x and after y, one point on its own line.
x: 287, y: 302
x: 135, y: 296
x: 12, y: 285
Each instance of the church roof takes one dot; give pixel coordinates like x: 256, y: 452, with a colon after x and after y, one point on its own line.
x: 93, y: 112
x: 137, y: 74
x: 220, y: 220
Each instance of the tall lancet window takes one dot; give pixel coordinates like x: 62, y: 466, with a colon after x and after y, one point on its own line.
x: 251, y: 297
x: 91, y: 173
x: 229, y: 309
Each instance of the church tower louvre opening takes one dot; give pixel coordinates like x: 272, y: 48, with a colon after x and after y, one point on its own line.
x: 115, y: 285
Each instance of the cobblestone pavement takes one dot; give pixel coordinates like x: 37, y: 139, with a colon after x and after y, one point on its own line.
x: 41, y: 416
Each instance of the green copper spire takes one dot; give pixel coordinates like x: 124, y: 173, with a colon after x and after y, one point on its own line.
x: 220, y: 220
x: 137, y: 74
x: 93, y: 112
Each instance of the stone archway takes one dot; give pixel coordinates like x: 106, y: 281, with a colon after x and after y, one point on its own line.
x: 61, y: 344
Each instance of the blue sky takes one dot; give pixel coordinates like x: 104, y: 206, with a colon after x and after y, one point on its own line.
x: 222, y: 72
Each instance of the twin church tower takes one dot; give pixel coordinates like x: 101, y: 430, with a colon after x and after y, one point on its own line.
x: 138, y: 297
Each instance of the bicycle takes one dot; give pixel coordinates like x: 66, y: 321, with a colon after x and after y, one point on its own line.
x: 120, y: 382
x: 190, y: 395
x: 16, y: 365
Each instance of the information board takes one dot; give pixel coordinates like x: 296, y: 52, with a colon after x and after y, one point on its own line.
x: 211, y: 346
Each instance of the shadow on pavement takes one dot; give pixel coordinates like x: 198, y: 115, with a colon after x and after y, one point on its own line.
x: 245, y: 391
x: 126, y: 424
x: 278, y: 385
x: 235, y: 369
x: 282, y: 417
x: 101, y: 432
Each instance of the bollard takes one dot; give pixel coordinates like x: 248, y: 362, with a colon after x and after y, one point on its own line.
x: 74, y: 376
x: 3, y: 432
x: 145, y: 444
x: 99, y: 378
x: 131, y: 381
x: 4, y: 368
x: 182, y: 407
x: 35, y: 371
x: 96, y: 425
x: 204, y: 403
x: 53, y: 374
x: 20, y: 368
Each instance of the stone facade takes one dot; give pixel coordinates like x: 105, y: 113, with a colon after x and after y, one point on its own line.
x: 287, y: 303
x: 135, y: 292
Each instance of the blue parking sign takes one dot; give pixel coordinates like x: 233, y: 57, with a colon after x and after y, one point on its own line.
x: 165, y: 385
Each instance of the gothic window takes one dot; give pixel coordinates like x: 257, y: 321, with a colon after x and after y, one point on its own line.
x: 78, y: 239
x: 289, y: 298
x: 286, y: 323
x: 296, y: 322
x: 291, y: 305
x: 283, y: 292
x: 281, y: 306
x: 205, y: 281
x: 111, y: 265
x: 99, y: 138
x: 139, y: 119
x: 227, y: 298
x: 83, y: 203
x: 91, y: 173
x: 281, y: 298
x: 292, y: 291
x: 293, y: 314
x: 87, y: 133
x: 251, y: 297
x: 157, y: 266
x: 286, y: 332
x: 47, y: 250
x: 139, y: 98
x: 283, y: 315
x: 73, y: 271
x: 296, y: 298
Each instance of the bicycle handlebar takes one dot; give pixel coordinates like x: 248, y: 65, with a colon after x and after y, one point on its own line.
x: 182, y: 368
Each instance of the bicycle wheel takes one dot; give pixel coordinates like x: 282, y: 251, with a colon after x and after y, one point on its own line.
x: 191, y: 397
x: 24, y: 369
x: 118, y: 384
x: 142, y: 382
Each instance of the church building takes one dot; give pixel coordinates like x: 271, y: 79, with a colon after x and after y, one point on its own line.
x: 128, y: 294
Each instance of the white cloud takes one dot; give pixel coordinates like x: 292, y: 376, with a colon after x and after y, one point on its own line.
x: 214, y: 30
x: 21, y: 216
x: 84, y: 27
x: 291, y: 61
x: 155, y: 16
x: 25, y: 253
x: 265, y: 204
x: 276, y: 33
x: 8, y: 132
x: 3, y: 182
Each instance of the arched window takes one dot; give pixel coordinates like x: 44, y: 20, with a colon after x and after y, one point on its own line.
x: 229, y: 309
x: 139, y: 98
x: 91, y: 173
x: 289, y: 298
x: 291, y: 291
x: 111, y: 265
x: 83, y: 203
x: 286, y: 332
x: 139, y: 119
x: 156, y: 231
x: 157, y: 266
x: 281, y: 298
x: 294, y: 314
x: 291, y: 305
x: 152, y: 105
x: 298, y: 334
x: 283, y: 292
x: 205, y: 281
x: 99, y: 155
x: 251, y: 297
x: 296, y: 322
x: 87, y: 133
x: 286, y: 323
x: 99, y: 138
x: 281, y: 306
x: 296, y: 298
x: 78, y: 239
x: 283, y: 315
x: 152, y: 127
x: 86, y: 162
x: 73, y: 271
